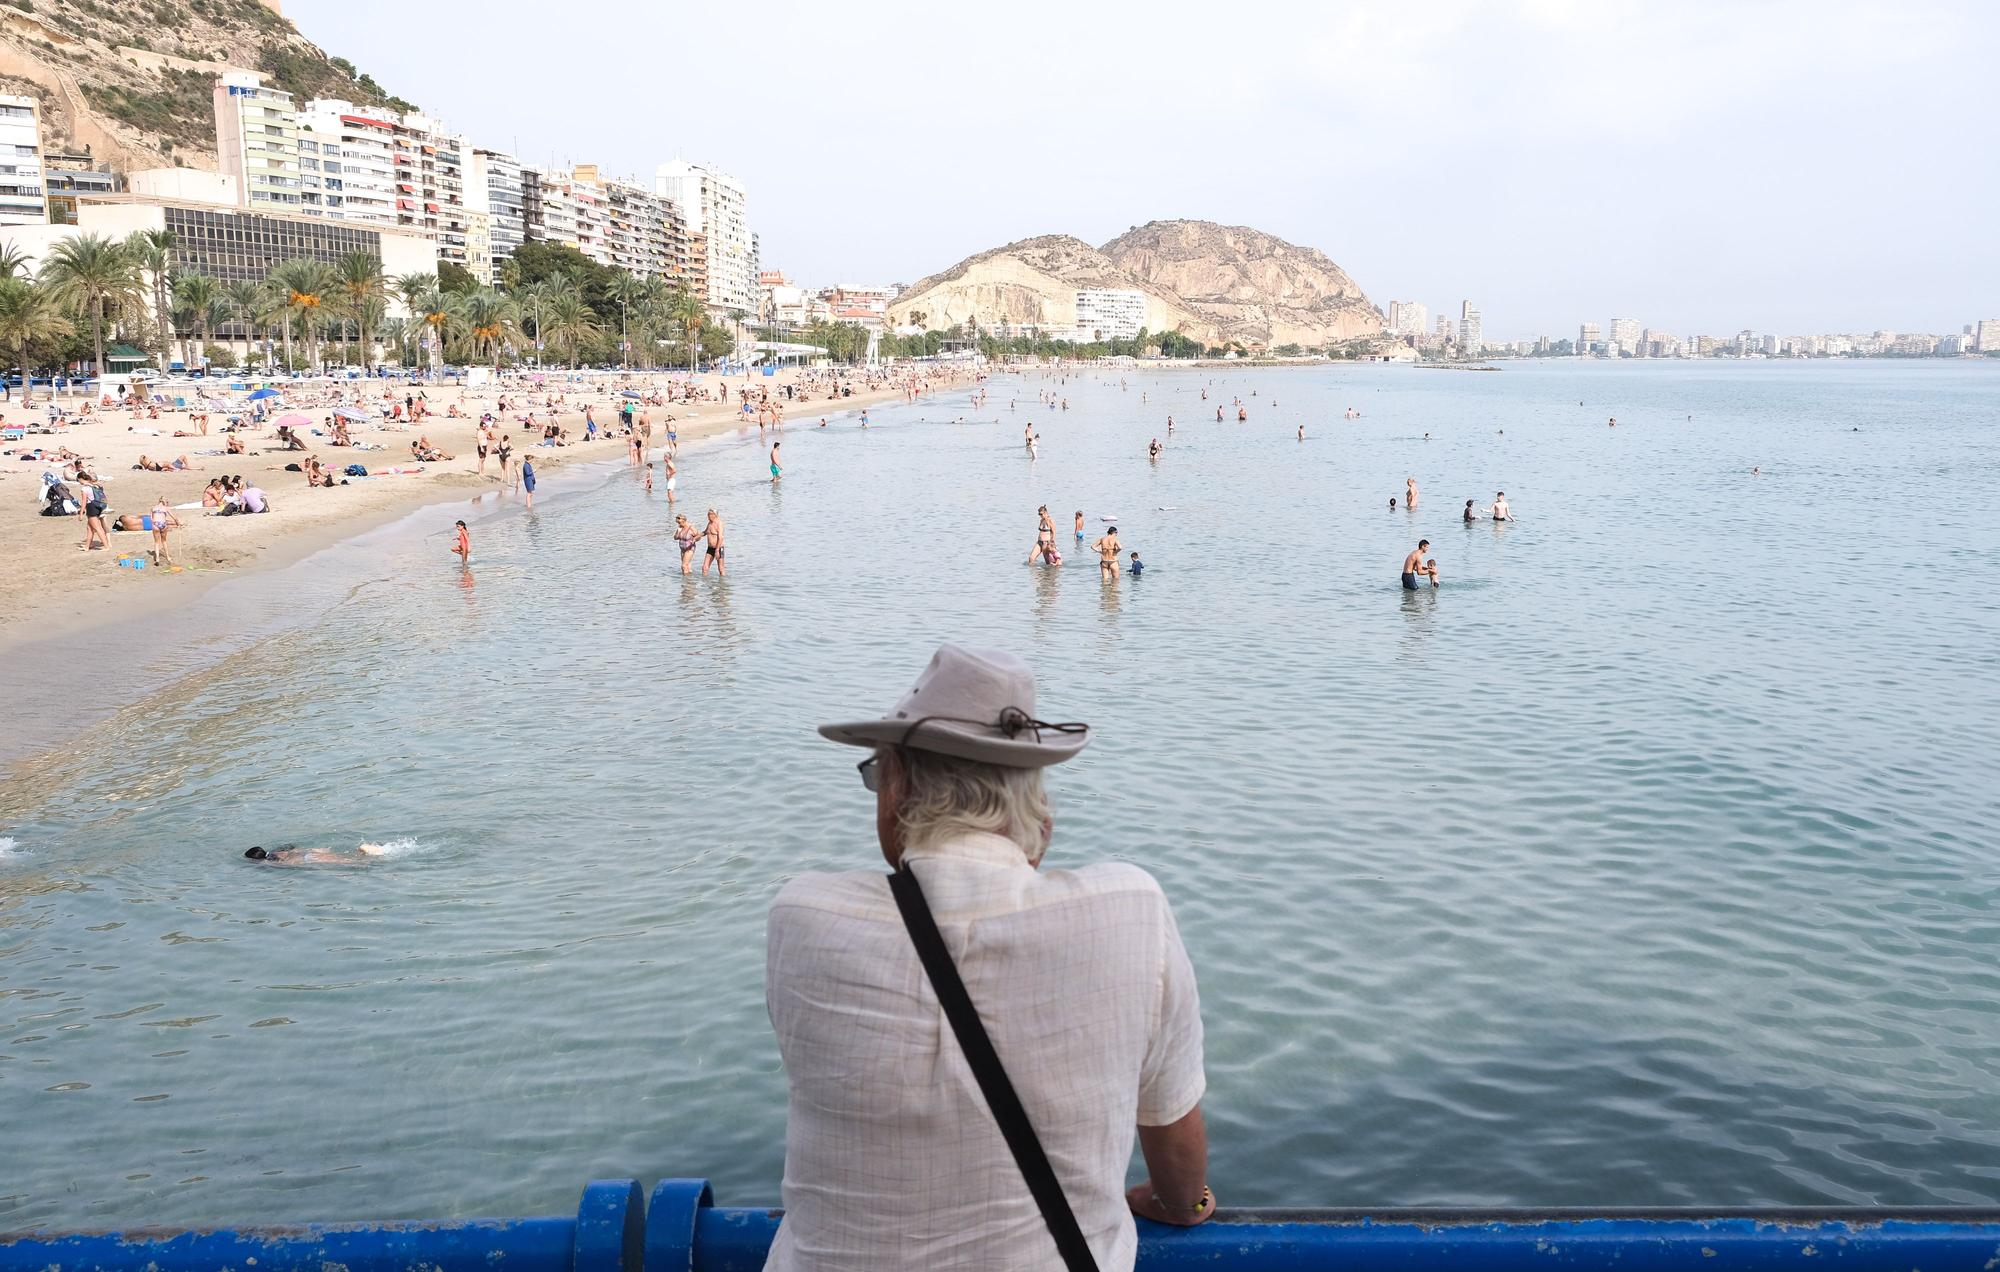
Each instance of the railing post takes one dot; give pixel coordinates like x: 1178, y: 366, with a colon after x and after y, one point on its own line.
x: 610, y: 1227
x: 670, y: 1220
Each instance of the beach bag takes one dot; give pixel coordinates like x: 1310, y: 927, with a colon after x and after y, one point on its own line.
x: 357, y: 470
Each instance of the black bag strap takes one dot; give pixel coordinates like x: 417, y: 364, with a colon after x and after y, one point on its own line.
x: 992, y: 1075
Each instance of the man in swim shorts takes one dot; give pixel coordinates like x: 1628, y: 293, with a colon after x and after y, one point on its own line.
x: 716, y: 550
x: 1413, y: 565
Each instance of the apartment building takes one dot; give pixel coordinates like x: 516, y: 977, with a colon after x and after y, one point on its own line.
x: 23, y: 196
x: 715, y: 208
x: 257, y: 141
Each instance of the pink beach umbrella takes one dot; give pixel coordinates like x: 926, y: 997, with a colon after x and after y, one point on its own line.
x: 294, y: 420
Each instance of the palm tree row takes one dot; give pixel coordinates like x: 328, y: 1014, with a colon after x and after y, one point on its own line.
x: 136, y: 287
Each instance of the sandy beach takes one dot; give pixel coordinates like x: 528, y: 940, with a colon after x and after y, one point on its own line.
x: 52, y: 586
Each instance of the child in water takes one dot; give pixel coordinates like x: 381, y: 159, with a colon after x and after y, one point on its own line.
x: 1431, y: 571
x: 1138, y: 566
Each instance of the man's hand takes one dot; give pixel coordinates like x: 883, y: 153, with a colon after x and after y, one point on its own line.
x: 1146, y: 1204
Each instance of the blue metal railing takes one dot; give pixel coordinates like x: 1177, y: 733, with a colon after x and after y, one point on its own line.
x: 682, y: 1230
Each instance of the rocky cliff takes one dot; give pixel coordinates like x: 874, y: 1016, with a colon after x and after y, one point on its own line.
x: 1214, y: 283
x: 1032, y: 281
x: 133, y: 80
x: 1256, y: 288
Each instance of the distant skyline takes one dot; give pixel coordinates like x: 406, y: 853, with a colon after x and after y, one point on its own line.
x: 1787, y: 167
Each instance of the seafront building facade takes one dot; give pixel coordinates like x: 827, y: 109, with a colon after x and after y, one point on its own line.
x: 1471, y: 330
x: 1104, y: 313
x: 23, y: 195
x: 257, y: 141
x: 715, y: 207
x: 70, y: 178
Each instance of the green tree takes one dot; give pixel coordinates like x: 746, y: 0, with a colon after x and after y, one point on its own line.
x: 153, y: 252
x: 29, y: 316
x: 86, y: 275
x: 362, y: 285
x: 199, y: 303
x: 437, y: 313
x: 567, y: 321
x: 627, y: 290
x: 455, y: 278
x: 13, y: 261
x: 488, y: 318
x: 688, y: 313
x: 306, y: 289
x: 249, y: 303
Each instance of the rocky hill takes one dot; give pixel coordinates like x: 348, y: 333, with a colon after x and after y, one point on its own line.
x: 133, y: 81
x: 1212, y: 282
x: 1256, y: 288
x: 1032, y: 281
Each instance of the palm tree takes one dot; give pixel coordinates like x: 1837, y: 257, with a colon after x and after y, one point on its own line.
x: 153, y: 250
x: 306, y: 288
x: 13, y: 261
x: 396, y: 331
x: 87, y: 273
x: 244, y: 300
x: 568, y: 321
x: 439, y: 313
x: 627, y: 290
x: 488, y: 317
x: 361, y: 281
x: 29, y: 315
x: 198, y: 300
x: 689, y: 313
x: 408, y: 287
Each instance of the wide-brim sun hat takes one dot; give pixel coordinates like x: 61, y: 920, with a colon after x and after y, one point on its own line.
x: 970, y: 704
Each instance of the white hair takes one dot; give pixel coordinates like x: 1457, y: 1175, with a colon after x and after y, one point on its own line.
x: 944, y: 797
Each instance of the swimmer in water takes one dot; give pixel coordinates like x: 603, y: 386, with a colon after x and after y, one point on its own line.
x: 1138, y: 566
x: 1392, y: 503
x: 1079, y: 525
x: 1302, y: 432
x: 1471, y: 511
x: 1413, y: 565
x: 293, y: 855
x: 1501, y: 512
x: 462, y: 549
x: 777, y: 471
x: 1154, y: 448
x: 1410, y: 484
x: 1107, y: 554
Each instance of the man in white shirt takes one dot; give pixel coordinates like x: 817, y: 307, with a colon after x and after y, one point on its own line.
x: 893, y: 1158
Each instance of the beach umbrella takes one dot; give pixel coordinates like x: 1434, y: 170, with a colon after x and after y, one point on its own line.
x: 260, y: 394
x: 294, y: 420
x: 216, y: 404
x: 354, y: 413
x: 633, y: 393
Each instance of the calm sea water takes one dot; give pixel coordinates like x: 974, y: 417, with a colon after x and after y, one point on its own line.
x: 1651, y: 860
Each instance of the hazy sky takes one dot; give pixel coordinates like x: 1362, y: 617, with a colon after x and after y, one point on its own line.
x: 1788, y: 167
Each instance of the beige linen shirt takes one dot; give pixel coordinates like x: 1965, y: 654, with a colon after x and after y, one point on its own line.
x: 892, y: 1159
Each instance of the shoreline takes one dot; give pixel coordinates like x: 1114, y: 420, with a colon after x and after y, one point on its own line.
x: 54, y: 592
x: 141, y: 641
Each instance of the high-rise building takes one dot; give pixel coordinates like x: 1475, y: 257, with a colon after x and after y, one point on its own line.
x: 23, y: 196
x: 1986, y: 335
x: 257, y: 142
x: 1444, y: 333
x: 493, y: 185
x: 714, y: 205
x: 1623, y: 336
x: 430, y: 182
x: 1471, y: 336
x: 365, y: 141
x: 1748, y: 342
x: 1588, y: 336
x: 1408, y: 318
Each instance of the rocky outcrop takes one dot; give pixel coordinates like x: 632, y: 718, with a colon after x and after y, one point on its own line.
x: 1211, y: 282
x: 1258, y: 289
x: 1032, y: 282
